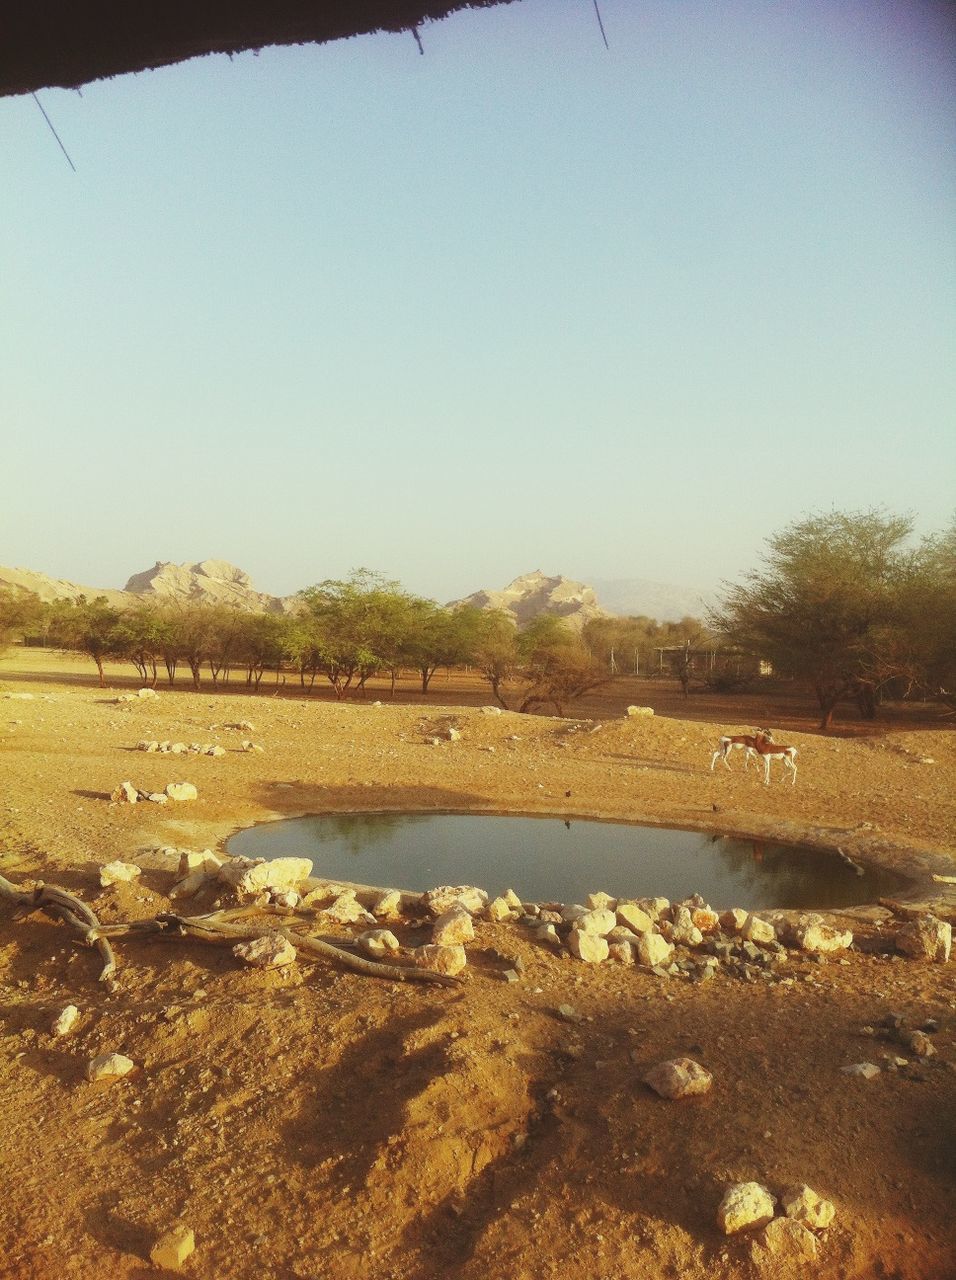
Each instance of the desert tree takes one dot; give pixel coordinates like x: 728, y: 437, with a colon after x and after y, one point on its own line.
x: 90, y: 627
x: 20, y: 613
x: 356, y: 626
x: 825, y: 606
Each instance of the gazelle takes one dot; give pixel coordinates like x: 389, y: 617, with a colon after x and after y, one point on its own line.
x: 769, y: 750
x: 746, y: 743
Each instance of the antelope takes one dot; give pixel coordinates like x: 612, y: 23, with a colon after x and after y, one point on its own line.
x: 769, y: 750
x: 746, y: 743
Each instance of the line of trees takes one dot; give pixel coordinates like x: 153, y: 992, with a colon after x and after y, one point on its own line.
x: 848, y: 603
x: 342, y: 633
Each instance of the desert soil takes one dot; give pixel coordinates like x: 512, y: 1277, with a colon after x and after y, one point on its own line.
x: 312, y: 1123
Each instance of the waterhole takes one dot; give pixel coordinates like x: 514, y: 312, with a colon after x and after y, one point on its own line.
x: 557, y: 859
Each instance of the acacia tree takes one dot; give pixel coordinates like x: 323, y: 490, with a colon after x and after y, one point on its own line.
x: 88, y: 626
x: 438, y: 637
x: 19, y: 613
x: 826, y: 605
x: 356, y: 626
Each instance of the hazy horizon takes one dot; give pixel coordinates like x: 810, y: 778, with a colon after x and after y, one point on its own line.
x: 518, y: 303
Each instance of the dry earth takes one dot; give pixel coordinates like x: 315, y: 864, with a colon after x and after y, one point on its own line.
x: 308, y: 1122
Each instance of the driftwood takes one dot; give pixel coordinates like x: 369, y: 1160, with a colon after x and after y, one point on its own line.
x: 217, y: 927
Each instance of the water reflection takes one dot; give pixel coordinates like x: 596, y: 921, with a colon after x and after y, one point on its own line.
x: 553, y: 858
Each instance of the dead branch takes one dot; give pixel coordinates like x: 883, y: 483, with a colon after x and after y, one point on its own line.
x: 59, y: 904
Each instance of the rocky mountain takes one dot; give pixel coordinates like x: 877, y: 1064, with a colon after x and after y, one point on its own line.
x: 535, y: 593
x: 207, y: 582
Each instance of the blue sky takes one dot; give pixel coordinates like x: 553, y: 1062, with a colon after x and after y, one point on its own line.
x: 517, y: 303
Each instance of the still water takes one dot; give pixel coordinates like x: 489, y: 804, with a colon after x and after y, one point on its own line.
x: 553, y: 859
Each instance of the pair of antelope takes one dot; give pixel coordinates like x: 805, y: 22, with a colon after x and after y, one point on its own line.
x: 761, y: 745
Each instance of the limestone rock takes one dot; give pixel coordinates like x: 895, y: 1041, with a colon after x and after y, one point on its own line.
x: 499, y: 909
x: 621, y: 950
x: 250, y: 878
x: 640, y: 711
x: 147, y: 744
x: 631, y: 915
x: 547, y: 933
x: 346, y: 909
x: 388, y: 906
x: 215, y: 751
x: 784, y: 1238
x: 862, y: 1070
x: 285, y: 898
x: 918, y: 1042
x: 758, y: 931
x: 118, y: 873
x: 734, y: 920
x: 601, y: 902
x: 108, y: 1066
x: 683, y: 930
x: 441, y: 899
x: 591, y: 947
x: 191, y: 860
x: 490, y: 711
x: 172, y: 1249
x: 806, y: 1207
x: 812, y: 933
x: 653, y: 950
x: 448, y: 960
x: 679, y: 1078
x: 182, y: 791
x: 125, y: 793
x: 65, y: 1020
x: 455, y: 926
x: 599, y: 921
x: 926, y: 938
x: 271, y: 951
x: 250, y: 746
x: 746, y: 1205
x: 378, y: 942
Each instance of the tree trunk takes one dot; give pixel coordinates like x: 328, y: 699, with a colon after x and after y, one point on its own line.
x: 99, y: 666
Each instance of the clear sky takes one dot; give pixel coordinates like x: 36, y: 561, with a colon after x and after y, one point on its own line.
x: 517, y: 303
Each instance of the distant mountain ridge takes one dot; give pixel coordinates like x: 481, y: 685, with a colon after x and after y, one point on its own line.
x: 535, y: 593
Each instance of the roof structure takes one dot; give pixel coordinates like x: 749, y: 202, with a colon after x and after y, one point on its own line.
x: 68, y: 43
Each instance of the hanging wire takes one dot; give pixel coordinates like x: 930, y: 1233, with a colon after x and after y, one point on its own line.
x: 54, y: 132
x: 597, y: 12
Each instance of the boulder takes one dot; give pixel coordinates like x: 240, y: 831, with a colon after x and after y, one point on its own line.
x: 249, y: 878
x: 590, y: 947
x: 926, y: 938
x: 346, y: 909
x: 441, y: 899
x: 499, y: 909
x: 601, y: 902
x: 448, y: 960
x: 758, y: 931
x: 108, y: 1066
x: 745, y: 1206
x: 456, y: 926
x: 388, y: 906
x: 734, y: 920
x: 599, y: 921
x: 118, y: 873
x: 653, y: 950
x: 804, y: 1205
x: 631, y: 915
x: 182, y: 791
x: 812, y: 933
x: 271, y: 951
x: 679, y: 1078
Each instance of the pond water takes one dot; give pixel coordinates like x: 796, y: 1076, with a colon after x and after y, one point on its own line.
x: 554, y: 859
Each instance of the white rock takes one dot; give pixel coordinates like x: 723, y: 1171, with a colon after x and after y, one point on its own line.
x: 631, y: 915
x: 178, y: 749
x: 758, y: 931
x: 182, y: 791
x: 745, y: 1205
x: 454, y: 926
x: 448, y: 960
x: 147, y: 745
x: 784, y: 1238
x: 598, y: 921
x: 926, y: 938
x: 250, y: 746
x: 378, y: 942
x: 499, y: 909
x: 653, y: 950
x: 806, y: 1207
x: 199, y: 860
x: 812, y: 933
x: 485, y: 711
x: 621, y: 950
x: 147, y: 693
x: 679, y: 1078
x: 157, y: 797
x: 573, y: 911
x: 249, y: 878
x: 271, y: 951
x: 601, y: 902
x: 590, y: 947
x: 548, y: 933
x: 640, y: 711
x: 172, y: 1249
x: 863, y: 1070
x: 388, y: 906
x: 215, y: 751
x: 453, y: 733
x: 108, y: 1066
x: 65, y: 1020
x: 286, y: 898
x: 125, y: 793
x: 118, y: 872
x: 444, y: 897
x: 346, y: 909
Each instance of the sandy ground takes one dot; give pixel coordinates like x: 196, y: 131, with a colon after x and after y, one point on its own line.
x: 308, y: 1122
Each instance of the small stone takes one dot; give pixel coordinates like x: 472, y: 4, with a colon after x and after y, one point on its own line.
x: 920, y: 1044
x: 599, y: 921
x: 271, y: 951
x: 679, y: 1078
x: 804, y: 1205
x: 864, y: 1070
x: 118, y: 873
x: 125, y: 793
x: 388, y: 906
x: 639, y: 711
x: 601, y: 902
x: 511, y: 975
x: 745, y: 1205
x: 548, y: 933
x: 378, y: 942
x: 65, y: 1020
x: 568, y: 1013
x: 288, y: 899
x: 441, y: 899
x: 758, y: 931
x: 447, y: 960
x: 215, y: 751
x: 172, y: 1249
x: 734, y: 920
x: 785, y: 1238
x: 498, y: 910
x: 813, y: 934
x: 182, y: 791
x: 455, y: 926
x: 621, y: 951
x: 108, y: 1066
x: 346, y: 909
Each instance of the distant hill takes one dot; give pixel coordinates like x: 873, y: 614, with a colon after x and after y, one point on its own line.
x: 535, y: 593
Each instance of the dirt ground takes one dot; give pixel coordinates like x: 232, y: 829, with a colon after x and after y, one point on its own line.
x: 314, y: 1124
